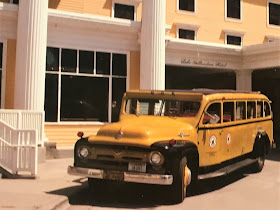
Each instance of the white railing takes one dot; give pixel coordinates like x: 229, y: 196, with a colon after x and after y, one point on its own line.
x: 25, y: 119
x: 18, y: 149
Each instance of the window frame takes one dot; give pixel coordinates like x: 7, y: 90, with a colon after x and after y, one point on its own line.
x: 226, y: 38
x: 110, y: 77
x: 178, y: 33
x: 3, y: 79
x: 133, y: 3
x: 234, y: 111
x: 234, y: 19
x: 184, y: 26
x: 185, y: 11
x: 267, y: 8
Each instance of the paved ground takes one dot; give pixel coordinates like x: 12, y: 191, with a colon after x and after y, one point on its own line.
x: 55, y: 189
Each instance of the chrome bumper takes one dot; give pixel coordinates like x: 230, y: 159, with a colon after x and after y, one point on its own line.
x: 127, y: 176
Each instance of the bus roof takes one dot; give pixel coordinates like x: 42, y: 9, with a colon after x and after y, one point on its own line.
x: 197, y: 94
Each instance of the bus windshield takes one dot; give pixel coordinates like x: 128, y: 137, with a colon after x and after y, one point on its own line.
x: 161, y: 107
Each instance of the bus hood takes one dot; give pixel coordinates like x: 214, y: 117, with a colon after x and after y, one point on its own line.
x: 144, y: 131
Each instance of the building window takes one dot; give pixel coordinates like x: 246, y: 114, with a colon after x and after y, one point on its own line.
x: 124, y: 11
x: 234, y: 9
x: 186, y: 34
x: 274, y: 14
x: 234, y: 40
x: 187, y: 5
x: 84, y: 85
x: 13, y: 1
x: 1, y: 68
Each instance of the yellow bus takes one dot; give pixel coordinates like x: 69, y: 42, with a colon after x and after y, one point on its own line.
x: 176, y: 138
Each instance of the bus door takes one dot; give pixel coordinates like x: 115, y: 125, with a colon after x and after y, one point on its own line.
x: 231, y: 132
x: 209, y: 135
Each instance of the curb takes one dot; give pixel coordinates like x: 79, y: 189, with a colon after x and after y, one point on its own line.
x: 57, y: 203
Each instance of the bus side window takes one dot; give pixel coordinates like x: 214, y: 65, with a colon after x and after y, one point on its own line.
x: 240, y: 111
x: 259, y: 109
x: 213, y: 112
x: 266, y: 109
x: 251, y: 109
x: 228, y: 111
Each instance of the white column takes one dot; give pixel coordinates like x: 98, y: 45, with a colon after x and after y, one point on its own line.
x: 244, y: 80
x: 31, y: 55
x: 152, y: 63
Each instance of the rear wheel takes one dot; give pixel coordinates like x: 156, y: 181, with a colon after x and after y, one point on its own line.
x: 259, y: 153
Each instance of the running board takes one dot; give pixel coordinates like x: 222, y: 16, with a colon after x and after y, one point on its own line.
x: 227, y: 170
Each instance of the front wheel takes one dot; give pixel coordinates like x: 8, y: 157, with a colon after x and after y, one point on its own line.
x: 181, y: 178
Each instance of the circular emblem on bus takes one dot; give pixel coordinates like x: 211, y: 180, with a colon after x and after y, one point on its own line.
x: 228, y: 138
x: 212, y: 141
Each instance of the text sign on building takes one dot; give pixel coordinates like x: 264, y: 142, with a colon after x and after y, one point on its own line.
x: 203, y: 63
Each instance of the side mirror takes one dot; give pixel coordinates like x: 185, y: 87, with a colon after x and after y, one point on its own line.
x: 214, y: 119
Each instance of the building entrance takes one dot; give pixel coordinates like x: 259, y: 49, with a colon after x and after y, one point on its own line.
x: 189, y: 78
x: 268, y: 82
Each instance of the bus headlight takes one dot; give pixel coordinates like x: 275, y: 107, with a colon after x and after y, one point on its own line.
x: 156, y: 158
x: 83, y: 152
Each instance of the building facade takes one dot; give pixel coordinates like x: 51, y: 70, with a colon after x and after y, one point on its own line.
x: 75, y: 59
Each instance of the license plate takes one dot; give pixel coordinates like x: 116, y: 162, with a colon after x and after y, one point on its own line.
x: 139, y: 167
x: 115, y: 175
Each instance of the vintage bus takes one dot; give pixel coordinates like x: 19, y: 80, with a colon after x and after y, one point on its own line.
x: 176, y: 138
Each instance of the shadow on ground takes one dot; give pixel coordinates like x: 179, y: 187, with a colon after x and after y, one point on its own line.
x: 132, y: 196
x: 274, y: 155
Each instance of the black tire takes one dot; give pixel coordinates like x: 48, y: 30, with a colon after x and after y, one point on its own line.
x: 178, y: 189
x: 259, y: 155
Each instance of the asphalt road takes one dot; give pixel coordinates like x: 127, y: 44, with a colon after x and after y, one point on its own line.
x: 241, y: 190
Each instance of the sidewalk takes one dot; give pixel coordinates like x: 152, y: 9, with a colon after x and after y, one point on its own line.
x: 49, y: 191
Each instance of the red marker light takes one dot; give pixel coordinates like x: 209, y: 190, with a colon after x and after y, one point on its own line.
x: 80, y: 134
x: 172, y: 142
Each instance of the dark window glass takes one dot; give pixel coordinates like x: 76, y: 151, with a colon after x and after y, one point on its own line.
x: 1, y: 55
x: 228, y: 112
x: 233, y: 9
x: 260, y: 109
x: 234, y: 40
x: 86, y: 62
x: 266, y: 109
x: 124, y: 11
x: 84, y: 98
x: 1, y: 66
x: 68, y: 60
x: 52, y: 59
x: 119, y: 87
x: 103, y: 63
x: 187, y: 5
x: 119, y: 64
x: 213, y: 111
x: 240, y: 111
x: 51, y: 97
x: 251, y: 109
x: 15, y: 1
x: 274, y: 14
x: 186, y: 34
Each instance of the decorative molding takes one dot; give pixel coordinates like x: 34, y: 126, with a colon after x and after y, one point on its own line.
x: 128, y: 2
x: 187, y: 26
x: 272, y: 38
x: 234, y: 32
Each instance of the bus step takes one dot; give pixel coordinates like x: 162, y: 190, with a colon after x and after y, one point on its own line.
x: 228, y: 169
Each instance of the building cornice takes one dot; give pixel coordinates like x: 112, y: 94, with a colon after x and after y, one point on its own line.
x: 93, y: 21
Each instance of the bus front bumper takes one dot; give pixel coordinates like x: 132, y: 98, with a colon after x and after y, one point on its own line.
x: 121, y: 176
